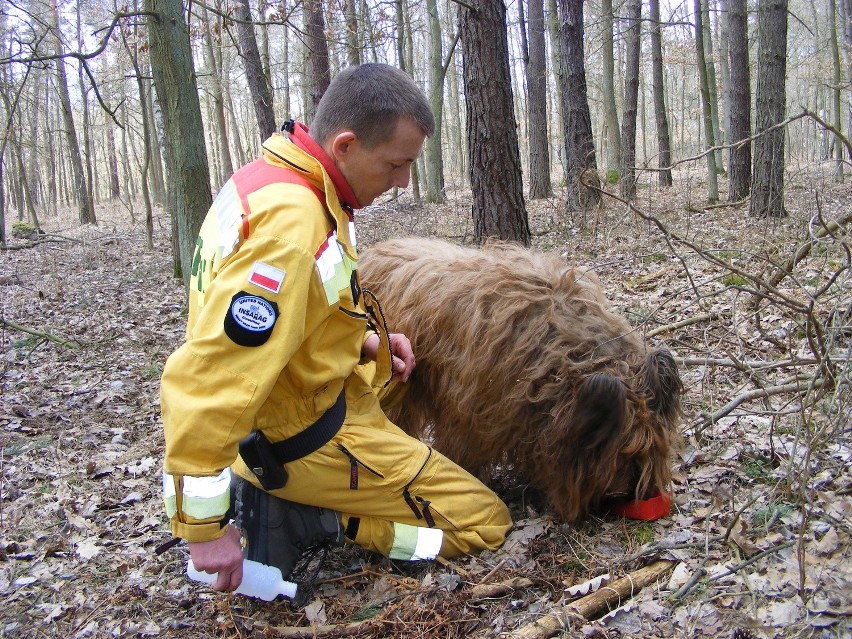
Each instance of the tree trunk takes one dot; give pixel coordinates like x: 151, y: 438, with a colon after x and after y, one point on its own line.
x: 723, y: 30
x: 739, y: 160
x: 155, y: 121
x: 91, y: 178
x: 712, y: 92
x: 437, y: 71
x: 264, y: 50
x: 220, y: 128
x: 664, y: 145
x: 186, y: 158
x: 553, y: 28
x: 458, y: 139
x: 495, y: 164
x: 835, y: 89
x: 613, y: 129
x: 767, y: 182
x: 146, y: 137
x: 405, y: 55
x: 258, y: 83
x: 317, y: 70
x: 32, y: 215
x: 84, y: 203
x: 353, y: 46
x: 631, y: 100
x: 242, y: 158
x: 34, y: 164
x: 112, y: 158
x: 847, y: 21
x: 581, y: 177
x: 536, y: 70
x: 285, y: 72
x: 712, y: 176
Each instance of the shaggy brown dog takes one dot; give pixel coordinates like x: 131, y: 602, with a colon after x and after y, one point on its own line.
x: 522, y: 361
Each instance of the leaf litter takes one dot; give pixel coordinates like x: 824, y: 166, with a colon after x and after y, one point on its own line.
x: 760, y: 528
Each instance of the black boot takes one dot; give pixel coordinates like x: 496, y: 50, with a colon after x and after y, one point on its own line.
x: 279, y: 532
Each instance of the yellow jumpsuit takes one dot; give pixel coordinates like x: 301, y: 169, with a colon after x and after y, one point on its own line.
x: 275, y: 330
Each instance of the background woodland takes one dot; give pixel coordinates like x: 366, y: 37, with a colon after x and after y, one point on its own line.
x: 696, y: 156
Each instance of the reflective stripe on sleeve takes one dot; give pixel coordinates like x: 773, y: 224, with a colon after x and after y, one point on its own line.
x: 411, y: 543
x: 202, y: 497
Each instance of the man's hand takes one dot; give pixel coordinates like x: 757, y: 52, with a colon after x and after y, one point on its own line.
x: 402, y: 354
x: 403, y: 357
x: 223, y: 556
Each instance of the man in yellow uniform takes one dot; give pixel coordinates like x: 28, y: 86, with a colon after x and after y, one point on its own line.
x: 277, y: 327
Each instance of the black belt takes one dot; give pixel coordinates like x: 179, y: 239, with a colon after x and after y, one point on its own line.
x: 314, y: 436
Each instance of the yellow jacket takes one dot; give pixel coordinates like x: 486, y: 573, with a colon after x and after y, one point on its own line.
x: 275, y: 325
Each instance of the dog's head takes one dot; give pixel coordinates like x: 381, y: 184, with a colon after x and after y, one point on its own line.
x: 612, y: 440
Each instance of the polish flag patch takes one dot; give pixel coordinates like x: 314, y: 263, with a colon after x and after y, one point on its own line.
x: 266, y: 276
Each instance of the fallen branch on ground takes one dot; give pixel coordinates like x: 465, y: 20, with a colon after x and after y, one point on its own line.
x: 592, y: 605
x: 754, y: 364
x: 706, y: 420
x: 335, y: 630
x: 704, y: 317
x: 827, y: 229
x: 67, y: 343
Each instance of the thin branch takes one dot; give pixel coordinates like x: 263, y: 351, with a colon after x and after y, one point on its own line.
x: 750, y: 364
x: 761, y: 393
x: 843, y: 139
x: 704, y: 317
x: 117, y: 17
x: 231, y: 18
x: 31, y: 331
x: 804, y: 250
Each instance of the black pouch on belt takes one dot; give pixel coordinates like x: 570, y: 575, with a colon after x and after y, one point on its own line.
x: 260, y: 457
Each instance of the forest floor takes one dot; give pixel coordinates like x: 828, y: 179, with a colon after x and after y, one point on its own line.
x: 759, y: 535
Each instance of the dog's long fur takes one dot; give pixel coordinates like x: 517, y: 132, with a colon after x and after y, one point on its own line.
x: 522, y: 361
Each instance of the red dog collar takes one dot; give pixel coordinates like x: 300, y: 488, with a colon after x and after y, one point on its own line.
x: 649, y: 509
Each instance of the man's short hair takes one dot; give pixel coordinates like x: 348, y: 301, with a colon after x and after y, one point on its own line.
x: 368, y: 100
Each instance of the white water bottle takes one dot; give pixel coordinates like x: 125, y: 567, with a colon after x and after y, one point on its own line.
x: 259, y: 580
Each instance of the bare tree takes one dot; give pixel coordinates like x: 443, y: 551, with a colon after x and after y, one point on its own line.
x: 710, y: 68
x: 739, y: 162
x: 664, y: 145
x: 706, y: 105
x: 581, y: 177
x: 846, y: 6
x: 835, y: 89
x: 767, y: 182
x: 318, y: 73
x: 147, y: 155
x: 613, y: 129
x: 353, y: 45
x: 84, y: 201
x: 88, y: 151
x: 261, y: 93
x: 112, y: 159
x: 186, y: 159
x: 217, y: 94
x: 535, y: 62
x: 495, y: 162
x: 437, y: 74
x: 631, y: 100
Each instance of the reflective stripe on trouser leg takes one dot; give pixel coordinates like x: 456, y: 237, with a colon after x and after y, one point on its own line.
x: 411, y: 543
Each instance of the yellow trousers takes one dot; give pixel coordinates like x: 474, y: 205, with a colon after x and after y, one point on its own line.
x: 383, y: 482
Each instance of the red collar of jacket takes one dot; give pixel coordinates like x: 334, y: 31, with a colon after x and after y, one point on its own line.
x: 300, y: 137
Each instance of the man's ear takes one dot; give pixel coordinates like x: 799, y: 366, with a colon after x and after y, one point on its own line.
x: 342, y: 144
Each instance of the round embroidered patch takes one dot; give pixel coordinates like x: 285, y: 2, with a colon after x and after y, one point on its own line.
x: 250, y: 319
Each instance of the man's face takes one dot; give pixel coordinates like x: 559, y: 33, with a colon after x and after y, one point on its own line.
x: 372, y: 171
